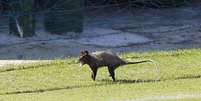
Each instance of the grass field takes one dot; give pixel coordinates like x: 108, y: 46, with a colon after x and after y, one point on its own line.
x: 176, y: 76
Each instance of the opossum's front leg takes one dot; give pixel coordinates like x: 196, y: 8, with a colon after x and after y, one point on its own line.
x: 94, y: 73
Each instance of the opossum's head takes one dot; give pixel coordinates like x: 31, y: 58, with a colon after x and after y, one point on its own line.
x: 84, y: 58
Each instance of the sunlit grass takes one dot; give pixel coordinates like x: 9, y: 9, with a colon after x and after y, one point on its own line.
x: 172, y: 73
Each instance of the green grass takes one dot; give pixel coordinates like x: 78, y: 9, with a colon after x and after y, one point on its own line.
x: 176, y: 73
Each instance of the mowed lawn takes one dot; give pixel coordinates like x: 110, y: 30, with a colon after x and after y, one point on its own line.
x: 174, y: 76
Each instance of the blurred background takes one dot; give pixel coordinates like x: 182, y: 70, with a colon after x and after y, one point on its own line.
x: 48, y: 29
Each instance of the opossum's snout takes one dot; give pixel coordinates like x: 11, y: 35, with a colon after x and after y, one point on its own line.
x: 81, y: 64
x: 79, y: 61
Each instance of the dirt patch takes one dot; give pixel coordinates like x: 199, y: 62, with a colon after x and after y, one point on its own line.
x: 176, y: 97
x: 18, y: 62
x: 114, y: 40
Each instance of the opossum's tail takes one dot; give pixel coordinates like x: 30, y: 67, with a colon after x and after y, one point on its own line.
x: 155, y: 64
x: 138, y: 62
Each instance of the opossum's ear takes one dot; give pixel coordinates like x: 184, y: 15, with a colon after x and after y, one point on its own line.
x: 86, y: 52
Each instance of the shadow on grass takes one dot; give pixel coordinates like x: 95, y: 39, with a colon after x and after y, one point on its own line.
x: 55, y: 89
x: 124, y: 81
x: 188, y: 77
x: 103, y: 82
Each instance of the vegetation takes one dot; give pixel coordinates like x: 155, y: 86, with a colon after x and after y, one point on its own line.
x: 175, y: 77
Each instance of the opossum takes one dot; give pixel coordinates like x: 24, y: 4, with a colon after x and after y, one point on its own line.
x: 99, y: 59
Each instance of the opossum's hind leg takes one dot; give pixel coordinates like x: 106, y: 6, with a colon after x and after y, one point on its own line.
x: 112, y: 73
x: 94, y: 73
x: 109, y: 74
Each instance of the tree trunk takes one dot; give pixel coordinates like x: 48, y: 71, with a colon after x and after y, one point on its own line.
x: 21, y: 21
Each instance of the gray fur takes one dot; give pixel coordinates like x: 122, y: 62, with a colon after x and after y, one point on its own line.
x: 99, y: 59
